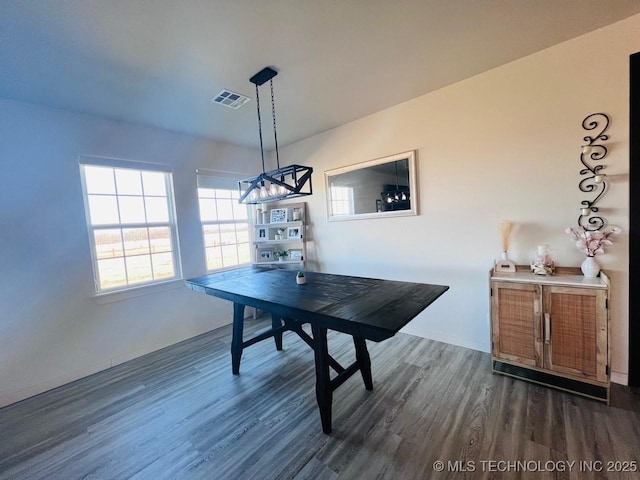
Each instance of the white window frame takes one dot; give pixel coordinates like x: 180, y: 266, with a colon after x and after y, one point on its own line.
x: 171, y: 223
x: 217, y: 180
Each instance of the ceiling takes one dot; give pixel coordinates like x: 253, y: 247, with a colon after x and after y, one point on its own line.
x: 159, y: 62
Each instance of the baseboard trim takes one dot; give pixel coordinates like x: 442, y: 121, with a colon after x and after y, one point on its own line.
x: 620, y: 378
x: 450, y: 339
x: 22, y: 394
x: 61, y: 380
x: 51, y: 384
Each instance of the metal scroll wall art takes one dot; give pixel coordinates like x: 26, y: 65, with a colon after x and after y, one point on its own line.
x: 594, y: 181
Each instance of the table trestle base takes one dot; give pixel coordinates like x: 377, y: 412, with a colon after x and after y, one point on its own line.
x: 325, y: 386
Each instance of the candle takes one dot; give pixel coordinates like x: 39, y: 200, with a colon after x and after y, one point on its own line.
x: 542, y: 250
x: 598, y: 178
x: 585, y: 211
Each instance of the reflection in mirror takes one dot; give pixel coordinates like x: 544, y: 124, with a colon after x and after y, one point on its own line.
x: 382, y: 187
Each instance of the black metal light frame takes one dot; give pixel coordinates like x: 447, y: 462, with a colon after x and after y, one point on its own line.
x: 395, y: 196
x: 399, y: 194
x: 279, y: 184
x: 298, y: 185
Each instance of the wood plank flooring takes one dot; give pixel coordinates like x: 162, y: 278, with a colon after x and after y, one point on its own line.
x: 179, y: 414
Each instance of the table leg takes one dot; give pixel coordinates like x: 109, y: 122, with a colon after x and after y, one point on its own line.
x: 236, y: 340
x: 276, y: 322
x: 364, y: 361
x: 324, y: 393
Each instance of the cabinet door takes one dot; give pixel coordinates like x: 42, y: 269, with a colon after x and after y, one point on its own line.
x: 516, y: 323
x: 576, y: 331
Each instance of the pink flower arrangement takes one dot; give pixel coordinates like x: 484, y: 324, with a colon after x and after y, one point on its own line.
x: 592, y: 242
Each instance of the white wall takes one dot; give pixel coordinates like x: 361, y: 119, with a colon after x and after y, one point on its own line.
x: 52, y: 330
x: 502, y: 145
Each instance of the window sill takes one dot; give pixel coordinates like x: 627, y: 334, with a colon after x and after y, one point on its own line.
x: 227, y: 269
x: 109, y: 297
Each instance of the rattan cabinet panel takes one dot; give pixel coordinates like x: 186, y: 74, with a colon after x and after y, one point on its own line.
x: 552, y: 330
x: 578, y: 331
x: 516, y: 323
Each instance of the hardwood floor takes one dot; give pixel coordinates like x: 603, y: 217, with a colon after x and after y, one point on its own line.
x: 179, y: 414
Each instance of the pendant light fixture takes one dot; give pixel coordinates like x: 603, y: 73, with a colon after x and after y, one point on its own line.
x: 399, y: 194
x: 279, y: 184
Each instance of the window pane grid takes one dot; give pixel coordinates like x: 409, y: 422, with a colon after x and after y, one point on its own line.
x: 124, y: 245
x: 225, y: 228
x: 125, y: 195
x: 129, y: 249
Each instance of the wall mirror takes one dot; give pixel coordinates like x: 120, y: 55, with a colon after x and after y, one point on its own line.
x: 379, y: 188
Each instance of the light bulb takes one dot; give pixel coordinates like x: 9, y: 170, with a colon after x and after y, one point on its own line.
x: 404, y: 197
x: 599, y: 178
x: 263, y: 192
x: 585, y: 211
x: 273, y: 190
x: 587, y: 149
x: 254, y: 194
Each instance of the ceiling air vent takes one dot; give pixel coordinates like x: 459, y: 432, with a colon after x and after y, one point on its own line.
x: 230, y: 99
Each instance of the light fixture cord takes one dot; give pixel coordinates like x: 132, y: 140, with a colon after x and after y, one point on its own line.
x: 395, y: 164
x: 260, y: 126
x: 275, y: 133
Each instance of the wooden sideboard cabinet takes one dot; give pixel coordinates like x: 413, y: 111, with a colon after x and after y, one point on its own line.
x: 552, y: 330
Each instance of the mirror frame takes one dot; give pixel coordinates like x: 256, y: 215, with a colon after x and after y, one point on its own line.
x: 413, y: 187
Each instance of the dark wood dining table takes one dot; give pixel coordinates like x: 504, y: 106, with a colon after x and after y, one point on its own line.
x: 365, y: 308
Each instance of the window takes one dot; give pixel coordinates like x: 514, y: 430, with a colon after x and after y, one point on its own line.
x: 225, y: 222
x: 341, y: 200
x: 131, y: 222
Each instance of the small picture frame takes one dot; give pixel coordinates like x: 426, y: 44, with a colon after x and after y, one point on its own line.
x: 278, y: 215
x: 265, y: 254
x: 295, y: 254
x: 261, y: 235
x: 294, y: 233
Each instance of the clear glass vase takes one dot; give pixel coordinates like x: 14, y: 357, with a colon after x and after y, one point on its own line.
x: 541, y: 263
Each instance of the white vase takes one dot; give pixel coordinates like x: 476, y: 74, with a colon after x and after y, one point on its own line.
x: 590, y: 267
